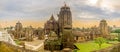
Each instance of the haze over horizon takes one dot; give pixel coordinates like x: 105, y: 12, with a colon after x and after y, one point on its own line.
x: 85, y: 13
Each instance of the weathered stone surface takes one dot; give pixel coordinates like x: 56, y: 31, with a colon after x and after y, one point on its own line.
x: 62, y: 27
x: 15, y: 48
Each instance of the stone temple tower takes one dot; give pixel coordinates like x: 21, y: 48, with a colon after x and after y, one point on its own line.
x: 103, y: 27
x: 64, y: 18
x: 18, y: 26
x: 18, y: 29
x: 65, y: 26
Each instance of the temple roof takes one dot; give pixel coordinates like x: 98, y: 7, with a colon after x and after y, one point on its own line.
x: 103, y: 20
x: 18, y: 22
x: 65, y: 6
x: 52, y: 17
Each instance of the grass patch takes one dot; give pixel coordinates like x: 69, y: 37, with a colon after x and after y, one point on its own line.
x: 17, y: 42
x: 90, y: 46
x: 114, y: 42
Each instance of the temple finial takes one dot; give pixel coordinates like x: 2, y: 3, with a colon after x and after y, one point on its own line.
x: 65, y: 4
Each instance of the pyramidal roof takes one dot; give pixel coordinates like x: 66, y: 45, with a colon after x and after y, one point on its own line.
x: 18, y: 22
x: 52, y: 17
x: 103, y: 20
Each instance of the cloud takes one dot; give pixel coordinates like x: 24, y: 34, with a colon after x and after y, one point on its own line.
x: 87, y: 15
x: 28, y: 9
x: 44, y: 8
x: 110, y: 5
x: 41, y: 10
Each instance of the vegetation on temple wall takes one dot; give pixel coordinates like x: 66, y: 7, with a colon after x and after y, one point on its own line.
x: 7, y: 47
x: 53, y: 42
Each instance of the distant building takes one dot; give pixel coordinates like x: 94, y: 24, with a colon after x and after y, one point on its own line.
x: 18, y: 30
x: 21, y: 33
x: 29, y: 33
x: 103, y: 28
x: 87, y: 34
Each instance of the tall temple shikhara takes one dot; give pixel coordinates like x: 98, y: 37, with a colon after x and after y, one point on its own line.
x: 62, y: 27
x: 64, y: 18
x: 65, y: 26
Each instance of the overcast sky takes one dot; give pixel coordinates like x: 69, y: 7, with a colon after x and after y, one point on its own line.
x: 41, y: 10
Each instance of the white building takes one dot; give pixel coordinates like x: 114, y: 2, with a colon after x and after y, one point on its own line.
x: 4, y: 36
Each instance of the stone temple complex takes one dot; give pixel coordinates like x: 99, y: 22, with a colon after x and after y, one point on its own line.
x: 57, y: 34
x: 26, y: 33
x: 61, y: 34
x: 61, y: 27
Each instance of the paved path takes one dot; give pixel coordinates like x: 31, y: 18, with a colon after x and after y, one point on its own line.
x: 35, y: 47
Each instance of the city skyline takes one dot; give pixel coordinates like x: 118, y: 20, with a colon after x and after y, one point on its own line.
x: 36, y: 12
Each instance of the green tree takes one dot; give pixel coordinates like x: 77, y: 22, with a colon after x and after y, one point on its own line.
x: 118, y: 31
x: 100, y: 41
x: 75, y: 50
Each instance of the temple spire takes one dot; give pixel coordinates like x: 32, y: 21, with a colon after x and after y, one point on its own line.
x: 65, y: 4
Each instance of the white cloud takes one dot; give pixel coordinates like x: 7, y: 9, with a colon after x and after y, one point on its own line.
x: 37, y: 9
x: 87, y: 15
x: 109, y: 5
